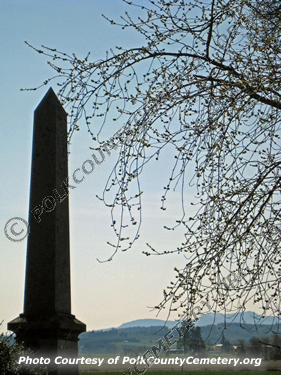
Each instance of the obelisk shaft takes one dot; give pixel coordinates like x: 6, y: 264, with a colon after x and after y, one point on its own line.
x: 47, y: 288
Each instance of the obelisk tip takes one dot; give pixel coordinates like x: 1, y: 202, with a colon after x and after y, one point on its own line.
x: 50, y: 96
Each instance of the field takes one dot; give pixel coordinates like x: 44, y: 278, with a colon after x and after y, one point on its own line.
x: 264, y: 367
x: 187, y: 373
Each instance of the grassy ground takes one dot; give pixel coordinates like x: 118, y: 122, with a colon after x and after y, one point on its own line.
x: 265, y: 367
x: 187, y: 373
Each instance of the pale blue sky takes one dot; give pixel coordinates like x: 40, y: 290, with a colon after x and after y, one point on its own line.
x: 103, y: 295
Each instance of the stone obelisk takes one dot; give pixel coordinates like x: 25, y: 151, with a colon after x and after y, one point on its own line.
x: 47, y: 326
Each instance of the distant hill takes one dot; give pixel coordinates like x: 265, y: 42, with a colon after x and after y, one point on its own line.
x: 135, y: 338
x: 247, y: 317
x: 147, y: 323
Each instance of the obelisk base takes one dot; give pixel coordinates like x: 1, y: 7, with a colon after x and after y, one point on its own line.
x: 52, y: 337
